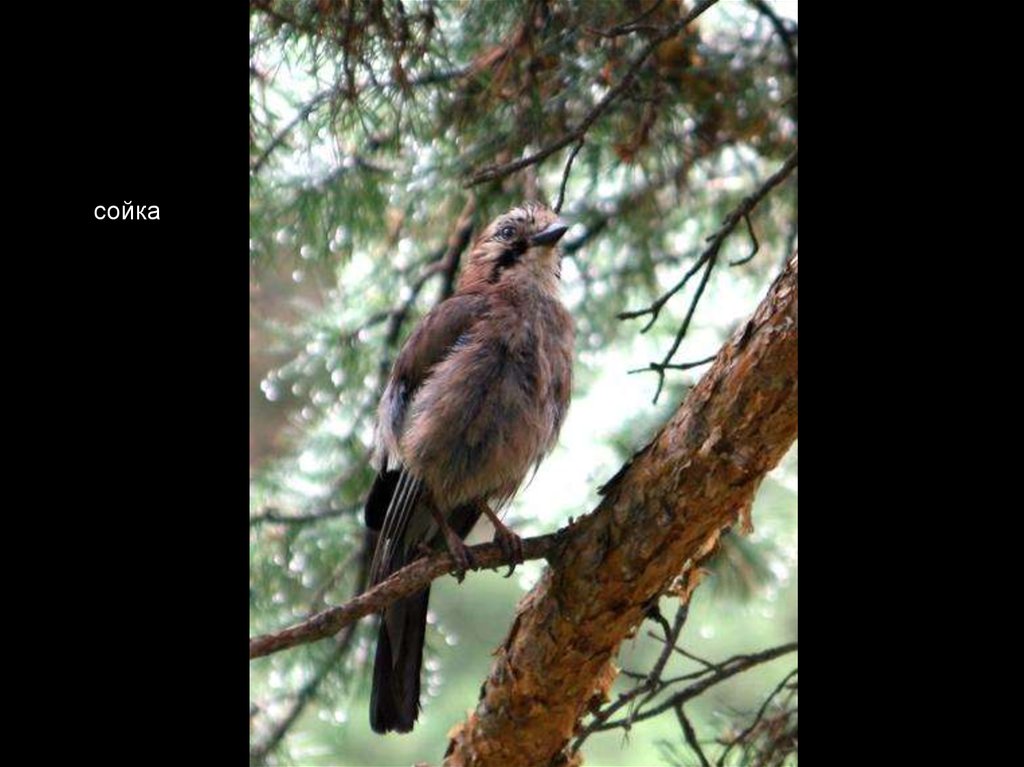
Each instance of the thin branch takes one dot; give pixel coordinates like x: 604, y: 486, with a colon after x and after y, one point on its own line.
x: 707, y: 260
x: 409, y: 580
x: 626, y: 27
x: 302, y: 698
x: 305, y: 694
x: 727, y: 670
x: 655, y: 309
x: 753, y: 240
x: 650, y: 683
x: 565, y: 174
x: 319, y: 99
x: 671, y: 637
x: 691, y: 736
x: 702, y: 661
x: 674, y: 365
x: 311, y: 106
x: 274, y: 515
x: 784, y: 34
x: 760, y: 715
x: 709, y: 676
x: 681, y: 332
x: 495, y: 172
x: 747, y: 204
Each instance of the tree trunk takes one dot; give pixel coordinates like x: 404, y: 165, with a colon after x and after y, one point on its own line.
x: 659, y: 516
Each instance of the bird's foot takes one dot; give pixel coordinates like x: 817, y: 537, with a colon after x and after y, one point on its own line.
x: 460, y: 553
x: 511, y: 545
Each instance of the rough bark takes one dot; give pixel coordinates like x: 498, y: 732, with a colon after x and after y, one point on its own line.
x: 658, y: 517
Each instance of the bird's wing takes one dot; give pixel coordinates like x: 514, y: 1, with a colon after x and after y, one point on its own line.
x: 395, y: 491
x: 443, y: 329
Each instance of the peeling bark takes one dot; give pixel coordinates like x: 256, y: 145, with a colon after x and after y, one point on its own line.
x: 659, y: 516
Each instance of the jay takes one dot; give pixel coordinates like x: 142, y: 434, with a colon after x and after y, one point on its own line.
x: 475, y: 400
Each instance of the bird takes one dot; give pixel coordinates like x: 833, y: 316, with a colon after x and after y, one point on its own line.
x: 474, y: 402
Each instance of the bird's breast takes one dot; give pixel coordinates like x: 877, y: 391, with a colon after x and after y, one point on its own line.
x: 491, y: 410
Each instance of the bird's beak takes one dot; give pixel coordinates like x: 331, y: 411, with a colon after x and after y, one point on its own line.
x: 551, y: 235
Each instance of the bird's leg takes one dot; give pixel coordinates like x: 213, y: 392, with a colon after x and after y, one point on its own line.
x: 510, y: 543
x: 456, y: 547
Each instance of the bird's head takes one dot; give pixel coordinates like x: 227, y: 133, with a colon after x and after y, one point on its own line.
x: 517, y: 245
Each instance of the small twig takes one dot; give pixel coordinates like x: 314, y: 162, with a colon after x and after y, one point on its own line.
x: 409, y: 580
x: 274, y: 515
x: 305, y: 694
x: 674, y: 648
x: 319, y: 99
x: 650, y: 683
x: 784, y: 34
x: 495, y: 172
x: 655, y: 308
x: 747, y: 204
x: 681, y: 333
x: 633, y: 25
x: 312, y: 105
x: 671, y: 637
x: 673, y: 366
x: 753, y: 239
x: 728, y: 669
x: 565, y: 174
x: 760, y: 714
x: 691, y: 736
x: 707, y: 260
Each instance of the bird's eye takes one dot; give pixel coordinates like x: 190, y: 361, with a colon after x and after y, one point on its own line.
x: 506, y: 233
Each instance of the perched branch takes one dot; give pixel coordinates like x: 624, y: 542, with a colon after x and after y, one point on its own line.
x: 495, y: 172
x: 409, y: 580
x: 659, y: 516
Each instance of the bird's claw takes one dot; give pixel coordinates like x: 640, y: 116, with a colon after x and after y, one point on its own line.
x: 511, y: 546
x: 463, y: 557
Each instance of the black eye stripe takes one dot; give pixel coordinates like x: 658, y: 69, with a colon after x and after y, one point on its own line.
x: 509, y: 257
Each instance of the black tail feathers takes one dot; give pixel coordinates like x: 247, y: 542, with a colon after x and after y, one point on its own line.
x: 395, y: 695
x: 380, y: 496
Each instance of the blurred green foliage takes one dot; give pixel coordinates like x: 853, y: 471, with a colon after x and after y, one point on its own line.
x: 367, y: 120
